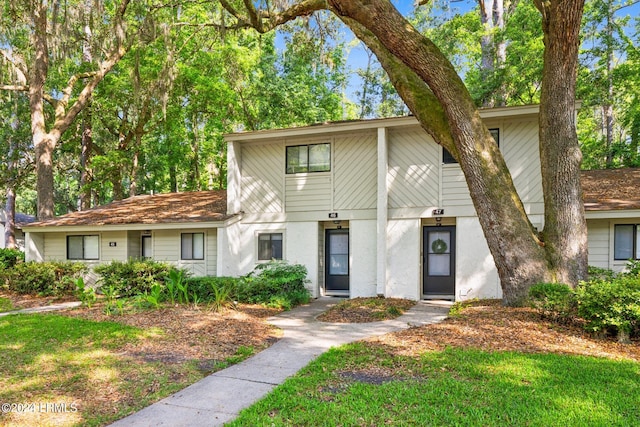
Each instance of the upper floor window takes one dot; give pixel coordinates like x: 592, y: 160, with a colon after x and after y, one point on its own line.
x: 625, y: 242
x: 448, y: 159
x: 83, y: 247
x: 269, y: 246
x: 309, y: 158
x: 192, y: 246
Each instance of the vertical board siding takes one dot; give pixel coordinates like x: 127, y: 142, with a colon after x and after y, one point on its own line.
x: 413, y: 169
x: 599, y: 238
x: 308, y: 192
x: 355, y: 172
x: 261, y: 186
x: 519, y: 146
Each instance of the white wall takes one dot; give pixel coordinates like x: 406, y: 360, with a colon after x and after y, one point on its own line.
x: 403, y: 259
x: 476, y: 274
x: 301, y: 244
x: 363, y: 272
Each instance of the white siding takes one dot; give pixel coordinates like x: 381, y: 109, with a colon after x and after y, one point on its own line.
x: 519, y: 146
x: 413, y: 169
x: 133, y: 244
x: 455, y: 192
x: 599, y: 238
x: 355, y: 171
x: 300, y: 248
x: 261, y: 182
x: 308, y: 192
x: 113, y: 253
x: 55, y: 246
x: 166, y: 245
x: 212, y: 252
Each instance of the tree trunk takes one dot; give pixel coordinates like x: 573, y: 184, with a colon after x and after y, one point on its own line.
x: 519, y: 257
x: 10, y: 223
x: 565, y: 230
x: 85, y: 160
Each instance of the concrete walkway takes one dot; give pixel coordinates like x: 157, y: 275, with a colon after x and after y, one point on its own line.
x: 219, y: 398
x: 44, y: 308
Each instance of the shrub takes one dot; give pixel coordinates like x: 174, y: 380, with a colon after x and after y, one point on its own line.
x: 275, y: 283
x: 132, y: 277
x: 611, y: 306
x: 203, y: 287
x: 10, y: 257
x: 597, y: 273
x: 44, y: 278
x: 553, y: 300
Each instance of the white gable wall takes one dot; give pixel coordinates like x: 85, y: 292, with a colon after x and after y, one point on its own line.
x: 409, y: 183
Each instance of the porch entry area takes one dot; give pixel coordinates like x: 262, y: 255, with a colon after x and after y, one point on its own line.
x: 336, y: 261
x: 438, y: 262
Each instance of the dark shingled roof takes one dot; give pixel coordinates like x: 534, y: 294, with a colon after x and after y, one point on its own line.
x: 611, y: 189
x: 196, y: 206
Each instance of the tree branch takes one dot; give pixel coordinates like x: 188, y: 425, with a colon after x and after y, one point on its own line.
x: 265, y: 21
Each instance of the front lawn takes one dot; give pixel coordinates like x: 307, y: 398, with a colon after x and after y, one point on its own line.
x: 82, y: 367
x: 488, y: 366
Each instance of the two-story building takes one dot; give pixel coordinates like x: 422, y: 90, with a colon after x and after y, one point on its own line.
x: 371, y: 207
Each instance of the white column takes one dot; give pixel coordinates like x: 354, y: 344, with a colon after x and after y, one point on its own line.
x: 233, y: 177
x: 382, y: 207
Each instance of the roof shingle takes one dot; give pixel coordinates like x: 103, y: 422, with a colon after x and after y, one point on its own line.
x: 196, y: 206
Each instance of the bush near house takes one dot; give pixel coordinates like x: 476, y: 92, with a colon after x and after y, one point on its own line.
x: 275, y: 283
x: 10, y: 257
x: 43, y: 278
x: 608, y: 303
x: 134, y: 277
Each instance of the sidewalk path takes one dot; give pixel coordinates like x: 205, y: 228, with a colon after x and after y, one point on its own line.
x: 219, y: 398
x: 44, y: 308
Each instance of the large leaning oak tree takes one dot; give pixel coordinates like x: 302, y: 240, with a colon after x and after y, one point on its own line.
x: 437, y: 96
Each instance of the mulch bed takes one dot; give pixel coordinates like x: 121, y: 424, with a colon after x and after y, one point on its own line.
x: 365, y: 310
x: 489, y: 326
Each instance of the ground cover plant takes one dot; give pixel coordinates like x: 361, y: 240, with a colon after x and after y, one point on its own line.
x: 103, y: 367
x: 489, y: 365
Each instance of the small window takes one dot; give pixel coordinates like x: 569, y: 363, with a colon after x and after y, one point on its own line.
x: 83, y: 247
x: 448, y: 159
x: 192, y: 246
x: 309, y: 158
x: 269, y: 246
x: 625, y: 242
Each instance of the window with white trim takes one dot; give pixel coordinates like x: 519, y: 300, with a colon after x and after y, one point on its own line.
x: 625, y: 241
x: 447, y: 157
x: 192, y: 246
x: 309, y: 158
x: 269, y: 246
x: 83, y: 247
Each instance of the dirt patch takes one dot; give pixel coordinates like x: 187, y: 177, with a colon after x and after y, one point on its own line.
x: 365, y: 310
x: 487, y: 325
x: 183, y: 333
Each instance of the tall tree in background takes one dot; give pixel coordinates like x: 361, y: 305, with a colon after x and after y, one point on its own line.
x: 42, y: 42
x: 434, y: 92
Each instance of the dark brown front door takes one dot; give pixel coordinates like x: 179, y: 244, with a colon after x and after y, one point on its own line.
x: 439, y: 262
x: 337, y: 261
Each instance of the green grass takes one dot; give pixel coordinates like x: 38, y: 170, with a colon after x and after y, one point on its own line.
x: 46, y: 358
x: 5, y: 305
x: 454, y: 387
